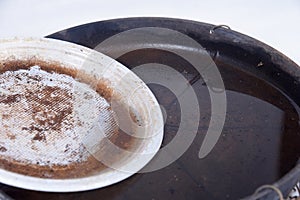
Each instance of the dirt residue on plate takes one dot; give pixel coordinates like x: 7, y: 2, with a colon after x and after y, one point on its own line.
x: 46, y: 113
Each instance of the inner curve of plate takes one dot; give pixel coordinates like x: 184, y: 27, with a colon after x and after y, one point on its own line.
x: 45, y: 119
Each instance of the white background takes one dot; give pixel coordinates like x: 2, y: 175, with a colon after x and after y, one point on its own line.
x: 275, y: 22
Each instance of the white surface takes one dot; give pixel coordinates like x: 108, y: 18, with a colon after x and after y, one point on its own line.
x: 61, y: 147
x: 122, y: 81
x: 274, y: 22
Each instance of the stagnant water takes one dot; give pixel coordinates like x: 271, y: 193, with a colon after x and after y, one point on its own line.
x: 258, y: 145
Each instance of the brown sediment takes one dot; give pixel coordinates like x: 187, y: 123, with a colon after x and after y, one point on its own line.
x: 73, y: 170
x: 39, y: 137
x: 53, y: 123
x: 101, y: 86
x: 11, y: 136
x: 9, y: 99
x: 3, y: 149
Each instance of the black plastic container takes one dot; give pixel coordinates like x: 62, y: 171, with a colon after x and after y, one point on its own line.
x: 261, y: 137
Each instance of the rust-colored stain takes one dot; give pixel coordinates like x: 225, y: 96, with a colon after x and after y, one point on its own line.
x: 42, y: 103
